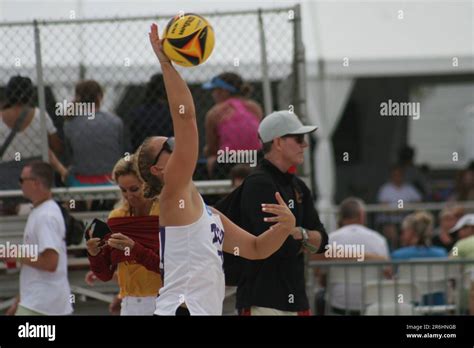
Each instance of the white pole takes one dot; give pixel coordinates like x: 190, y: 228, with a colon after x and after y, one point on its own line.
x: 41, y: 96
x: 267, y: 91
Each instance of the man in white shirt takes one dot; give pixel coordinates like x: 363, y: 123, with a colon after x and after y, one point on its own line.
x: 395, y: 192
x: 44, y: 287
x: 354, y: 234
x: 397, y: 189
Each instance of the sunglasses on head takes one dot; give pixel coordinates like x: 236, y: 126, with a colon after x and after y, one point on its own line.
x: 167, y: 146
x: 299, y: 138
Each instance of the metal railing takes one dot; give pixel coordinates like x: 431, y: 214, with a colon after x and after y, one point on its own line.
x: 399, y: 287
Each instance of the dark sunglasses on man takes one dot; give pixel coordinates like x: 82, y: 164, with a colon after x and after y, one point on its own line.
x: 167, y: 146
x: 22, y: 180
x: 299, y: 138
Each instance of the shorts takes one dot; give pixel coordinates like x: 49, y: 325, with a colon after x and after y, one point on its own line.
x: 138, y: 305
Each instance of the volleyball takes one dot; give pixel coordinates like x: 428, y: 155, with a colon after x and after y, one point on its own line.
x: 188, y: 40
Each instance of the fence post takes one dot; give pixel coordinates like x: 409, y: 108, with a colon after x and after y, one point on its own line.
x: 41, y: 95
x: 299, y: 67
x: 267, y: 91
x: 299, y: 90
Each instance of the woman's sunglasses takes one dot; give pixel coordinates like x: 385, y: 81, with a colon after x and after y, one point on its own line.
x: 299, y: 138
x: 167, y: 146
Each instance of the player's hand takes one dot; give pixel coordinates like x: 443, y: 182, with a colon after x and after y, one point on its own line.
x: 157, y: 44
x: 93, y: 246
x: 120, y: 241
x: 284, y: 217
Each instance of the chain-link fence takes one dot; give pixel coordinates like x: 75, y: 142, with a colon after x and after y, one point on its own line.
x: 260, y: 46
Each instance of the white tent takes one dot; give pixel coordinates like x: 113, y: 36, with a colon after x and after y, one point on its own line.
x: 343, y: 39
x: 356, y: 39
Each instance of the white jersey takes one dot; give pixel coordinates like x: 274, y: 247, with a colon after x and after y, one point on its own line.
x: 192, y: 266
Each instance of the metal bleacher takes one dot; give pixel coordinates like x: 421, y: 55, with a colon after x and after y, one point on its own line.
x: 12, y: 228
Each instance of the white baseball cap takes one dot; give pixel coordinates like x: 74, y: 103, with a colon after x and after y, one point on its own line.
x: 466, y: 220
x: 280, y: 123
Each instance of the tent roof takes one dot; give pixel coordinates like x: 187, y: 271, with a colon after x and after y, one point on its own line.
x: 388, y: 37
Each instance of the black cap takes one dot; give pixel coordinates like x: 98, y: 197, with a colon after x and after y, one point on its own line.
x: 19, y: 90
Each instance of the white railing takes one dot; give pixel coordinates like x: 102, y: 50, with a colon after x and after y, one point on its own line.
x: 112, y: 192
x: 399, y: 287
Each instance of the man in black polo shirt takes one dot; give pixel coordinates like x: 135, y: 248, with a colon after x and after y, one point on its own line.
x: 276, y: 285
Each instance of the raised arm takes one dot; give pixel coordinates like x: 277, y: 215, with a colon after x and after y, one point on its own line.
x: 180, y: 167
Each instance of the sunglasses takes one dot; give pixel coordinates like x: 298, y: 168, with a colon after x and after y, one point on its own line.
x: 167, y: 146
x: 299, y: 138
x: 22, y: 180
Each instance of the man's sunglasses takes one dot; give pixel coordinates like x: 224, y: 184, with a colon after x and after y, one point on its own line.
x: 167, y: 146
x: 22, y: 180
x: 299, y: 138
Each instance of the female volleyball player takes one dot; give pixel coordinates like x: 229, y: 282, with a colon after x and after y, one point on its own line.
x: 191, y: 233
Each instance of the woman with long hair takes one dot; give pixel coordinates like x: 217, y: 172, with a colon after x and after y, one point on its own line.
x: 132, y: 249
x: 193, y: 236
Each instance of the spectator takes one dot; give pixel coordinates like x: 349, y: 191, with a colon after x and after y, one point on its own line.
x: 397, y: 189
x: 417, y: 229
x: 464, y: 249
x: 413, y: 175
x: 238, y: 174
x: 464, y: 231
x: 94, y: 143
x: 447, y: 218
x: 232, y: 123
x: 137, y: 220
x: 44, y: 286
x: 265, y: 285
x: 152, y: 116
x: 353, y: 232
x: 464, y: 190
x: 394, y: 192
x: 26, y: 145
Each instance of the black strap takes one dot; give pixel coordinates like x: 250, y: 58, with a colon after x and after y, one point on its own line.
x: 16, y: 127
